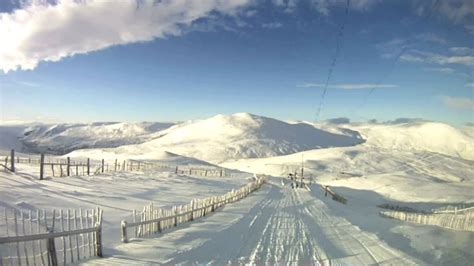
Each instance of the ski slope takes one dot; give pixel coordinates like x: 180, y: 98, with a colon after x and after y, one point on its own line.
x: 275, y: 225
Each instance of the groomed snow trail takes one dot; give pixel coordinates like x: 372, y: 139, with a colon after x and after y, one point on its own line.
x: 276, y: 225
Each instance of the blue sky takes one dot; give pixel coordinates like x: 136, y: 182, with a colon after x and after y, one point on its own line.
x: 168, y: 61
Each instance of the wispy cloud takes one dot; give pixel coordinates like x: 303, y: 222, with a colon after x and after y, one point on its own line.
x: 272, y: 25
x: 323, y: 6
x: 28, y: 83
x: 41, y: 31
x: 349, y: 86
x: 427, y: 57
x: 430, y: 37
x: 457, y: 11
x: 462, y: 50
x: 469, y: 85
x: 443, y: 70
x: 469, y: 28
x: 458, y: 102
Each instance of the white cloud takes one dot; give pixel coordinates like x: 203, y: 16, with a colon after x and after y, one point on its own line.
x: 349, y: 86
x: 458, y: 102
x: 50, y: 32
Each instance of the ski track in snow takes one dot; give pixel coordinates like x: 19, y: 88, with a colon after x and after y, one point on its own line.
x: 282, y: 225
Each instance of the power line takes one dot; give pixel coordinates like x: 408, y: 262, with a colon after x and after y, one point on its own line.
x: 333, y: 64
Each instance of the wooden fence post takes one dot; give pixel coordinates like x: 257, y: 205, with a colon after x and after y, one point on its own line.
x: 12, y: 161
x: 221, y: 173
x: 138, y: 166
x: 68, y: 169
x: 88, y: 166
x: 123, y: 224
x: 175, y: 213
x: 176, y: 171
x: 115, y: 165
x: 102, y: 165
x: 98, y: 237
x: 50, y: 244
x: 192, y: 210
x: 42, y: 166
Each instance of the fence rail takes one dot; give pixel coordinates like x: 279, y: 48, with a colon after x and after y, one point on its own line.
x: 153, y: 220
x: 39, y: 238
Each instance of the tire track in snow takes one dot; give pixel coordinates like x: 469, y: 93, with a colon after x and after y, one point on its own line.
x: 361, y: 247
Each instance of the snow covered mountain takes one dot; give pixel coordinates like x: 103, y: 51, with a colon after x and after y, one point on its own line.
x: 242, y: 135
x: 419, y: 136
x: 229, y: 137
x: 64, y: 138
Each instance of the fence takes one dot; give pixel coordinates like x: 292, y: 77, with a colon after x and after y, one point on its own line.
x: 36, y: 238
x: 153, y: 220
x: 62, y: 167
x: 333, y: 194
x: 463, y: 221
x: 454, y: 209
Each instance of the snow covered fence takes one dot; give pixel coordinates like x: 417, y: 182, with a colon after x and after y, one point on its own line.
x: 154, y: 220
x: 334, y: 195
x: 454, y: 209
x: 39, y: 238
x: 463, y: 221
x: 65, y: 166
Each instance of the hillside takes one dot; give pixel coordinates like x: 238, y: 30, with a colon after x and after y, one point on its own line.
x: 419, y: 136
x: 64, y: 138
x: 224, y: 137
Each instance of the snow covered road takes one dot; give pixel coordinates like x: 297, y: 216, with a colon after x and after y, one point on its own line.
x: 275, y: 225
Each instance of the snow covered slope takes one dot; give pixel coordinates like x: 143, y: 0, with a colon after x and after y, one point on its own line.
x: 64, y: 138
x: 241, y: 135
x: 419, y: 136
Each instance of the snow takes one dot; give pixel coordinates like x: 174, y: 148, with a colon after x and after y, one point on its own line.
x: 241, y: 135
x: 117, y: 194
x: 63, y: 138
x: 411, y: 163
x: 420, y: 136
